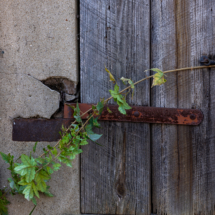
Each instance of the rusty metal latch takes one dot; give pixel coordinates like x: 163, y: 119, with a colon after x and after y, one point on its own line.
x: 48, y: 130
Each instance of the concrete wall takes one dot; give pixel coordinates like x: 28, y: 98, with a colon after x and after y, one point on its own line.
x: 38, y: 40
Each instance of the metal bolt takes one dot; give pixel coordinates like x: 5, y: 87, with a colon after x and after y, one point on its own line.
x: 204, y: 60
x: 136, y: 113
x: 192, y: 116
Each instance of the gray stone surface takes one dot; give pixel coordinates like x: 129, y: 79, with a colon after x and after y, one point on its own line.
x: 30, y: 97
x: 38, y: 38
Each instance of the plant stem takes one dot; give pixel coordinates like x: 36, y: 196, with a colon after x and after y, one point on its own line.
x: 129, y: 87
x: 67, y: 144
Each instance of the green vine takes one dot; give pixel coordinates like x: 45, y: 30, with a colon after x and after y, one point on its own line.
x: 30, y: 175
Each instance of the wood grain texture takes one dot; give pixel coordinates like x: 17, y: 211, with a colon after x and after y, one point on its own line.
x: 115, y: 178
x: 183, y: 162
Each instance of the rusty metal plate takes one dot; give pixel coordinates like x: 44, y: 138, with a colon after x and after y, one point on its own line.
x: 38, y: 129
x: 144, y: 114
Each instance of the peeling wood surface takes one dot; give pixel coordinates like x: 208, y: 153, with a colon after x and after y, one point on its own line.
x: 183, y: 163
x: 115, y: 178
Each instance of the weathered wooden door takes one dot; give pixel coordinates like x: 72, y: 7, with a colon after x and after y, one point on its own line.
x: 142, y: 168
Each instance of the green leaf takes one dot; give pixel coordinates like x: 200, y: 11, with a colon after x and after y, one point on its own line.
x: 23, y: 182
x: 158, y: 77
x: 116, y: 95
x: 34, y: 148
x: 76, y: 127
x: 123, y: 106
x: 88, y: 129
x: 49, y: 147
x: 47, y: 193
x: 40, y: 160
x: 48, y: 159
x: 28, y: 191
x: 94, y: 122
x: 40, y: 179
x: 34, y: 201
x: 5, y: 157
x: 83, y: 142
x: 76, y: 114
x: 12, y: 184
x: 56, y: 166
x: 35, y: 190
x: 49, y: 170
x: 27, y: 161
x: 100, y: 107
x: 21, y: 188
x: 45, y: 150
x: 3, y: 203
x: 122, y: 110
x: 68, y: 163
x: 94, y: 137
x: 26, y: 169
x: 54, y: 151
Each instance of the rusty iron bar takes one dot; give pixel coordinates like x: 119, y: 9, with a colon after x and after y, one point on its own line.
x: 38, y: 129
x: 48, y: 130
x: 143, y: 114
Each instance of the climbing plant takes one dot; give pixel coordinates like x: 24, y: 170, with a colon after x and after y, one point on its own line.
x: 30, y: 174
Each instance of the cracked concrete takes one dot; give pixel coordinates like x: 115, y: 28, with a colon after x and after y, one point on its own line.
x: 38, y: 40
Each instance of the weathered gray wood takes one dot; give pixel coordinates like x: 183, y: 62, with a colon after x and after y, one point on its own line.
x: 115, y: 178
x: 183, y: 162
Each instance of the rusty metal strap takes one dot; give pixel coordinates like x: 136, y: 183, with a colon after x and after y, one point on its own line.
x: 38, y: 129
x: 143, y: 114
x: 48, y: 130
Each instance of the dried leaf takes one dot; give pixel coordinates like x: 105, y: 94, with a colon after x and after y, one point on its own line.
x: 158, y: 77
x: 110, y: 75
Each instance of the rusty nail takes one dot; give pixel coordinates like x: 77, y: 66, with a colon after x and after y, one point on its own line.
x: 136, y: 113
x: 192, y: 116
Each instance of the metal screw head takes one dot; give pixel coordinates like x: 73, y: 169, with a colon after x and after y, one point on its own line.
x: 136, y: 113
x: 192, y: 116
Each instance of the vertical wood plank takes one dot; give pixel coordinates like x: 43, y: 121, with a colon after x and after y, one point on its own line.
x: 115, y: 178
x: 183, y: 160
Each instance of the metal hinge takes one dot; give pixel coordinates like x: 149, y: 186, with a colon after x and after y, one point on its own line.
x: 48, y: 130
